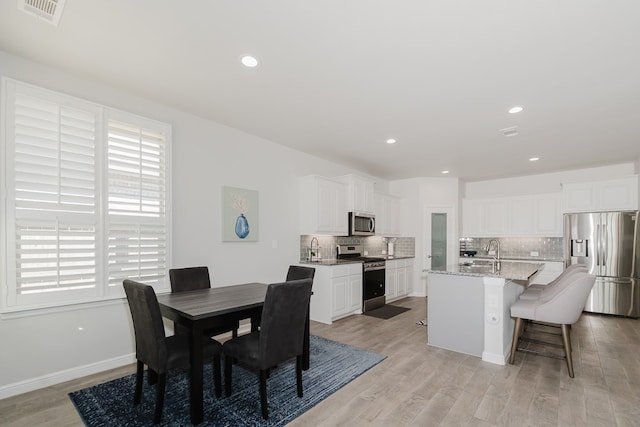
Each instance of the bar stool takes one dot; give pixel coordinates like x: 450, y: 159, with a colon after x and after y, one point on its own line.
x: 563, y: 308
x: 534, y: 292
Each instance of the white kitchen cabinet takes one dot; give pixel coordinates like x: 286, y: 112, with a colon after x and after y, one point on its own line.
x: 387, y: 211
x: 599, y: 196
x: 532, y: 215
x: 337, y: 292
x: 472, y: 218
x: 323, y: 206
x: 391, y: 281
x: 360, y: 193
x: 398, y: 278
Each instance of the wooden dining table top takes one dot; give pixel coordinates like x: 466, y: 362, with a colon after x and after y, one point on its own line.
x: 203, y: 303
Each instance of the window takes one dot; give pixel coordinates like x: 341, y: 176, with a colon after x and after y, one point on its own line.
x: 86, y: 199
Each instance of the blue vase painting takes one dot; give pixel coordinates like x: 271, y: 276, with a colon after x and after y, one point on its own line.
x: 242, y: 226
x: 239, y: 215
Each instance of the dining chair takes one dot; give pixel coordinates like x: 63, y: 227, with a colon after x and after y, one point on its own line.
x: 297, y: 272
x: 563, y: 308
x: 278, y: 340
x: 194, y: 278
x: 159, y: 352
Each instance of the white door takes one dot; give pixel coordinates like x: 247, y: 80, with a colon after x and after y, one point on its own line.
x: 439, y: 237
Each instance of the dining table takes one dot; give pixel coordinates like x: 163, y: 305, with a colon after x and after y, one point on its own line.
x: 202, y: 309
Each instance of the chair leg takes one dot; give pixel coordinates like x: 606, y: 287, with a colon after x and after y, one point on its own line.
x: 566, y: 340
x: 152, y: 377
x: 217, y: 380
x: 299, y: 375
x: 162, y: 379
x: 263, y: 394
x: 516, y: 337
x: 139, y: 380
x: 228, y: 366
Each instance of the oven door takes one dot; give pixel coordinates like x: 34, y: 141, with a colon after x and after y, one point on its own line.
x: 373, y: 288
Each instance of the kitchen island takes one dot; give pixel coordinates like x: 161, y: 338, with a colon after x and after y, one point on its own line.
x: 468, y: 307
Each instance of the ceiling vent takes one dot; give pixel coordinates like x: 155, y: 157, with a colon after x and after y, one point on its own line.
x: 511, y: 131
x: 47, y: 10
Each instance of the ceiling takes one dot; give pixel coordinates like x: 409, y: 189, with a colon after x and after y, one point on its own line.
x: 337, y: 78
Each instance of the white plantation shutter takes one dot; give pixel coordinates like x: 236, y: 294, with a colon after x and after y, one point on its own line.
x: 85, y: 199
x: 52, y: 145
x: 136, y: 202
x: 54, y: 256
x: 136, y: 251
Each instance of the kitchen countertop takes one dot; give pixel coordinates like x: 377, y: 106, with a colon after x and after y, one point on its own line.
x: 334, y: 261
x: 523, y: 258
x: 510, y: 270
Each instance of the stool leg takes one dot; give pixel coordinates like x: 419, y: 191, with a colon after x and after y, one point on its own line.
x: 516, y: 337
x: 566, y: 340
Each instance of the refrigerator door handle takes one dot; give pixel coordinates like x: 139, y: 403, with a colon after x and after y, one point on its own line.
x: 598, y: 244
x: 603, y: 247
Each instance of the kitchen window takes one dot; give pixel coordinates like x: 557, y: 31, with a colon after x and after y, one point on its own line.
x: 85, y: 199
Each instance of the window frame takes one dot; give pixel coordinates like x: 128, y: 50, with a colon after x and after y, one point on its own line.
x: 10, y: 300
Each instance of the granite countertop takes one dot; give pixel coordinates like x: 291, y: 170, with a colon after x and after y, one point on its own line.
x: 522, y: 258
x: 330, y: 261
x: 509, y: 270
x: 334, y: 261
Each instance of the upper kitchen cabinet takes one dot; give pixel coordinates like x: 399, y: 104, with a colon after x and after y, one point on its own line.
x: 605, y: 195
x: 323, y: 206
x: 534, y: 215
x: 387, y: 210
x: 360, y: 193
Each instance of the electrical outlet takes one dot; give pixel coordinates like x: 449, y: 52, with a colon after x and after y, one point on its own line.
x: 492, y: 252
x: 535, y: 253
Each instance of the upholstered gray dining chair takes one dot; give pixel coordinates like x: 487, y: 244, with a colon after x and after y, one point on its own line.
x: 280, y: 337
x: 194, y: 278
x: 158, y: 352
x: 563, y: 308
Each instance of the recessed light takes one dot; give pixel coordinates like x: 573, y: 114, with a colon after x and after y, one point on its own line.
x: 445, y: 172
x: 249, y: 61
x: 516, y: 109
x: 391, y: 141
x: 534, y: 159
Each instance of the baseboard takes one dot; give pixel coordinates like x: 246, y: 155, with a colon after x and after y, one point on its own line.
x: 494, y: 358
x: 63, y: 376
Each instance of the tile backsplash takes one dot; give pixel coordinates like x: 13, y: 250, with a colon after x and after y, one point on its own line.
x: 374, y: 245
x: 518, y: 247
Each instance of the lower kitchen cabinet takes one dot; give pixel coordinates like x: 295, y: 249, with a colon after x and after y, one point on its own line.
x: 398, y: 278
x: 337, y: 292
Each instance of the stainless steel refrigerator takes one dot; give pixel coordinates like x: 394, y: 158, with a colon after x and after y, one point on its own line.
x: 607, y: 243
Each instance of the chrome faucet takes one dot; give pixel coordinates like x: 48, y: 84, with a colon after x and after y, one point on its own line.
x: 313, y: 249
x: 496, y: 258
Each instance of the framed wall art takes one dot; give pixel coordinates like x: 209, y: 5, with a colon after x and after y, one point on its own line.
x: 239, y: 215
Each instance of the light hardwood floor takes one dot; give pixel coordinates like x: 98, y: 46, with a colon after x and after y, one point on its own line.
x: 418, y: 385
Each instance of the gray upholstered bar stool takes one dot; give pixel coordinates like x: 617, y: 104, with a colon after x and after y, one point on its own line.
x: 534, y: 292
x: 563, y: 308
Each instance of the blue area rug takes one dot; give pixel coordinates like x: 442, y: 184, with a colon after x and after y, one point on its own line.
x: 332, y: 366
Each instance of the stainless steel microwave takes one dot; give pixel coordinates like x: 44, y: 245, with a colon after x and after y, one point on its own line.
x: 362, y: 224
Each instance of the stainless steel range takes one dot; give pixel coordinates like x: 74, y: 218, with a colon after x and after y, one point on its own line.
x: 373, y: 276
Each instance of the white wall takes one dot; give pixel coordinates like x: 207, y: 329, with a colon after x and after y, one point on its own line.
x: 49, y: 347
x: 418, y: 193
